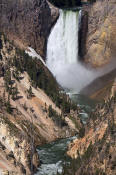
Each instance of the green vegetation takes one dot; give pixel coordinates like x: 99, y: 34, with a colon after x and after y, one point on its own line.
x: 76, y: 163
x: 16, y: 74
x: 14, y: 93
x: 42, y: 78
x: 57, y: 118
x: 39, y: 77
x: 31, y: 130
x: 12, y: 90
x: 88, y: 152
x: 6, y: 103
x: 74, y: 121
x: 37, y: 73
x: 8, y: 106
x: 106, y: 106
x: 7, y: 79
x: 100, y: 172
x: 30, y: 93
x: 14, y: 131
x: 82, y: 132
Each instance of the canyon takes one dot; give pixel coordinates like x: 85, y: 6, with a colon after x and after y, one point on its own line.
x: 47, y: 53
x: 29, y: 110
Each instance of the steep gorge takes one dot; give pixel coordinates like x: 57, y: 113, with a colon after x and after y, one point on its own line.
x: 96, y: 149
x: 97, y: 43
x: 33, y: 107
x: 98, y: 31
x: 30, y: 98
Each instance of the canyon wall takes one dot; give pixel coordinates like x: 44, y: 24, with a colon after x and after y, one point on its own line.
x: 95, y: 152
x: 28, y: 22
x: 66, y: 3
x: 32, y: 110
x: 97, y: 44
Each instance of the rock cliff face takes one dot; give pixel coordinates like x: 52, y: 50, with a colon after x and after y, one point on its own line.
x: 31, y: 109
x: 15, y: 148
x: 95, y: 153
x: 28, y: 22
x: 66, y: 4
x: 103, y: 87
x: 83, y: 33
x: 100, y: 44
x: 97, y: 44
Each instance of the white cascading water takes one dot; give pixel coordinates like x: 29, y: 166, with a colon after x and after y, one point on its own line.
x: 62, y: 53
x: 63, y: 43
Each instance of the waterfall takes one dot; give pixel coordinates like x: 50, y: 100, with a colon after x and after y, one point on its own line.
x: 62, y: 53
x: 63, y: 41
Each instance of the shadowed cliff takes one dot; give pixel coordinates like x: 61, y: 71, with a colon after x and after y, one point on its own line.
x: 97, y: 35
x: 66, y: 3
x: 27, y: 22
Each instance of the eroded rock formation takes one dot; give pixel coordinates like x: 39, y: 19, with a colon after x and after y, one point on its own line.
x: 28, y: 22
x: 30, y: 110
x: 95, y: 153
x: 99, y: 35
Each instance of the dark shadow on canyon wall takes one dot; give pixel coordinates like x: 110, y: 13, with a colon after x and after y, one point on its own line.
x: 83, y: 29
x: 66, y: 3
x: 28, y: 22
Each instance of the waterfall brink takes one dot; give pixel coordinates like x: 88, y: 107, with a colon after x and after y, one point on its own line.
x: 62, y: 53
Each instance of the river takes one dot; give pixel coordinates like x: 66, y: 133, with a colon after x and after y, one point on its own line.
x: 53, y: 157
x: 63, y: 62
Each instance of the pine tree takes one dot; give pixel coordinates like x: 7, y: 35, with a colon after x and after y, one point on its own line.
x: 30, y: 93
x: 4, y: 97
x: 15, y: 93
x: 8, y: 105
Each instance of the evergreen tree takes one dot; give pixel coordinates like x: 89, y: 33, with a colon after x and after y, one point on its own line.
x: 15, y: 93
x: 4, y: 97
x: 30, y: 93
x: 8, y: 105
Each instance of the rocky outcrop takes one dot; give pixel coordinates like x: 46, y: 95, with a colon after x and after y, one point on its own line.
x: 33, y: 110
x: 80, y: 146
x: 95, y: 153
x: 103, y: 88
x: 28, y: 22
x: 100, y: 44
x: 97, y: 45
x: 38, y: 106
x: 17, y: 149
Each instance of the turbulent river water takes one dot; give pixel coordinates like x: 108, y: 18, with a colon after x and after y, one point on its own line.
x: 53, y: 157
x: 62, y: 60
